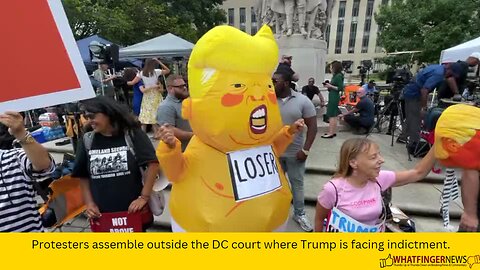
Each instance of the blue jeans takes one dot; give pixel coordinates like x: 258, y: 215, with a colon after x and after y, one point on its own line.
x: 295, y: 171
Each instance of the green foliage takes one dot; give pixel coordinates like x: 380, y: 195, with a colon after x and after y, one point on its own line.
x: 427, y: 25
x: 127, y: 22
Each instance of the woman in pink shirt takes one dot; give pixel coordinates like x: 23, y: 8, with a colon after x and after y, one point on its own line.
x: 352, y: 200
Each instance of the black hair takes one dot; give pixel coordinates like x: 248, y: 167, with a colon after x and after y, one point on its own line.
x: 285, y: 75
x: 6, y: 139
x: 119, y: 115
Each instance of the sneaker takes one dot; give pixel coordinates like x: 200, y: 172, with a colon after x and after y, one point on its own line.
x: 401, y: 140
x: 303, y: 222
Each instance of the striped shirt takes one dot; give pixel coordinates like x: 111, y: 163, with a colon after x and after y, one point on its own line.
x: 18, y: 207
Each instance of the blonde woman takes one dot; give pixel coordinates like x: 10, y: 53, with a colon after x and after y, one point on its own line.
x: 152, y: 91
x: 352, y: 200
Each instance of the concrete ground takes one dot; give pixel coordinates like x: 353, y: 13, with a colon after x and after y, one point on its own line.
x: 421, y: 201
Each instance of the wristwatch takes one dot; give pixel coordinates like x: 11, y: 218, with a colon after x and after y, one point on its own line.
x: 28, y: 139
x: 305, y: 152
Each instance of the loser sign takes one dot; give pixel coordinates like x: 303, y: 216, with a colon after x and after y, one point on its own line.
x: 41, y: 64
x: 254, y: 172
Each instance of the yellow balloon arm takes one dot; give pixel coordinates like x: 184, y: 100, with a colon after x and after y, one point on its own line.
x: 172, y: 161
x: 282, y: 140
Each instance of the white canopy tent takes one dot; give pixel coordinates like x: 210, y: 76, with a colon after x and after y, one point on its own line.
x: 167, y: 45
x: 460, y: 52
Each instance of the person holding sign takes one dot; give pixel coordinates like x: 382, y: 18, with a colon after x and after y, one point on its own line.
x: 110, y: 171
x: 19, y: 167
x: 352, y: 201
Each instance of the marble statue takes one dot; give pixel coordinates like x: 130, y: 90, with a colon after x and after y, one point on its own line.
x: 306, y: 17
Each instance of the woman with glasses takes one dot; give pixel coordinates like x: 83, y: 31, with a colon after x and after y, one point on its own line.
x: 116, y: 187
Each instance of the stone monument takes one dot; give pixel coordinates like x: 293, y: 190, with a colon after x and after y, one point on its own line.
x: 299, y: 27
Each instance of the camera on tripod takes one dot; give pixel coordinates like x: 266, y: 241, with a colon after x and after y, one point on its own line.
x: 364, y: 69
x: 399, y: 78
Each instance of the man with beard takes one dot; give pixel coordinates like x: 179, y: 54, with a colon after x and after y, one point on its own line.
x: 170, y: 110
x: 295, y: 106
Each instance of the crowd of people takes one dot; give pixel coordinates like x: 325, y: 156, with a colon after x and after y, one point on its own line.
x: 355, y: 189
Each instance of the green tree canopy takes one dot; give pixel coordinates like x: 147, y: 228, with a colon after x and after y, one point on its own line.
x: 427, y: 25
x: 127, y: 22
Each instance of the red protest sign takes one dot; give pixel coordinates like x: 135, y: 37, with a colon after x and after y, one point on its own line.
x: 117, y: 222
x: 41, y: 63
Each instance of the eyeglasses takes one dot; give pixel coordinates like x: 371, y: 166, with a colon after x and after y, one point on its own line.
x: 179, y: 86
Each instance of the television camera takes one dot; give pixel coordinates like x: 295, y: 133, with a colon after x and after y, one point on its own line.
x: 364, y: 70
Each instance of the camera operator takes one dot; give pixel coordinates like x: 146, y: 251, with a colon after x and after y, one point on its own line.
x: 363, y: 74
x: 456, y: 77
x: 102, y: 76
x: 416, y: 94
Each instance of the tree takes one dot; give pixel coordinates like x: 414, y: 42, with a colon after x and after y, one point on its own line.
x: 202, y: 15
x: 428, y: 25
x: 127, y: 22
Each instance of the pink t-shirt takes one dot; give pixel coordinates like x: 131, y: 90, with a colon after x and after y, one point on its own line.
x: 363, y: 204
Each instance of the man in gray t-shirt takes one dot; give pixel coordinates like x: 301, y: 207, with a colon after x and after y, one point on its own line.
x: 294, y: 106
x: 170, y: 110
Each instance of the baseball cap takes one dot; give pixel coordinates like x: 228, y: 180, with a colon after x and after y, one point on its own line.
x: 475, y: 55
x: 286, y: 56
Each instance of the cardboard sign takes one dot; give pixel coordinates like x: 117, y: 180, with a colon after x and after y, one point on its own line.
x: 41, y: 62
x: 118, y: 222
x: 254, y: 172
x: 341, y: 222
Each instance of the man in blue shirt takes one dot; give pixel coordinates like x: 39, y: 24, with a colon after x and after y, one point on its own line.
x: 416, y: 94
x: 370, y: 87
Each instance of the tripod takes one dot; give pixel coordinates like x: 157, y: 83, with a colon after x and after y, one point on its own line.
x: 388, y: 114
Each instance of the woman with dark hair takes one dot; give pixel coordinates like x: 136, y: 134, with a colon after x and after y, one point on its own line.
x: 19, y: 168
x: 115, y: 188
x: 334, y: 89
x: 130, y: 74
x: 152, y: 91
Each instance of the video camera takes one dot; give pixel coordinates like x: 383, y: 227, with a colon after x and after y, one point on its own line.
x: 399, y: 78
x: 103, y: 53
x: 366, y: 66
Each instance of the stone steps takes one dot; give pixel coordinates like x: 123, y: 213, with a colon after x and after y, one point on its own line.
x: 423, y: 223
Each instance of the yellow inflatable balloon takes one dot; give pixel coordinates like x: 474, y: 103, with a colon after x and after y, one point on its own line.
x: 229, y: 177
x: 457, y: 137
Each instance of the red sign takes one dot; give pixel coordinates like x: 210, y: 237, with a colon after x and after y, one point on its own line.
x: 40, y: 58
x: 118, y: 222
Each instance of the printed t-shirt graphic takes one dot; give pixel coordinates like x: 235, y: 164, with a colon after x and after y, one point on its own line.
x: 110, y: 162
